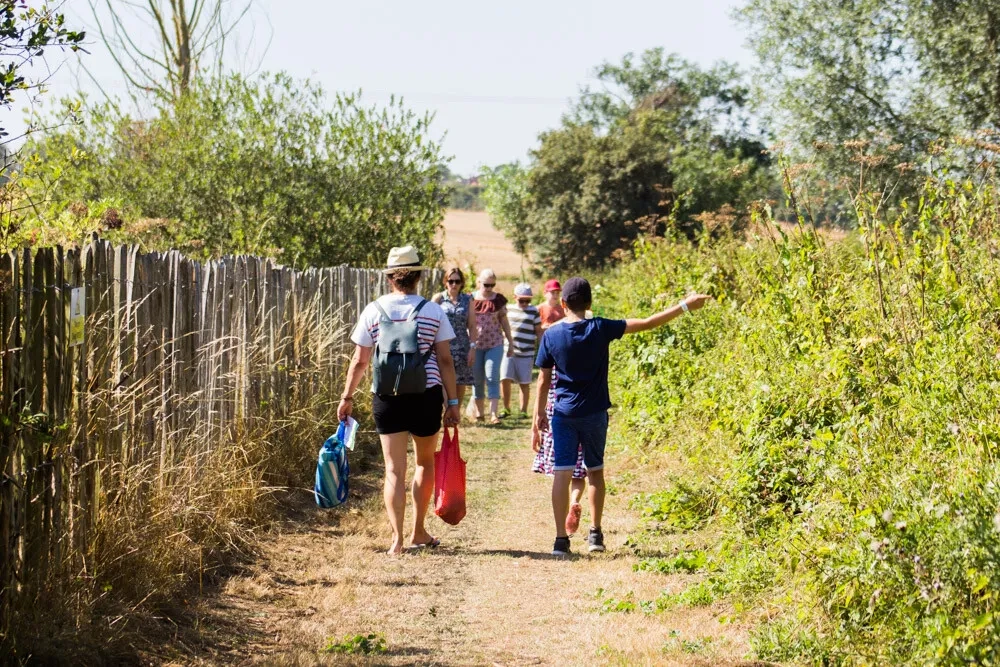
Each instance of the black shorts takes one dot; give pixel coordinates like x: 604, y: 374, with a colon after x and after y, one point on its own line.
x: 418, y: 414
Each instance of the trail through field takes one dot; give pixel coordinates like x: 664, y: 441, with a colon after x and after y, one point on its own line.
x: 490, y: 594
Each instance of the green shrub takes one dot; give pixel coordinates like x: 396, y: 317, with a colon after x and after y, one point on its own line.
x: 837, y: 418
x: 679, y: 507
x: 689, y: 561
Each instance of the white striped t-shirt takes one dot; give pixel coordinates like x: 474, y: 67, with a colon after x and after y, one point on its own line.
x: 522, y: 329
x: 432, y: 325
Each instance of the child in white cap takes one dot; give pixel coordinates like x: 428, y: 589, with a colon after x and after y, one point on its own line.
x: 525, y: 330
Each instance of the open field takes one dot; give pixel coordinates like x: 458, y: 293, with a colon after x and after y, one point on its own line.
x: 470, y: 239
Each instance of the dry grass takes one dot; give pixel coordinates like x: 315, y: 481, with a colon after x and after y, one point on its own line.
x: 170, y: 521
x: 490, y: 594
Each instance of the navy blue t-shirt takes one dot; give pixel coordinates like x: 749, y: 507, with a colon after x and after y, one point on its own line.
x: 579, y: 353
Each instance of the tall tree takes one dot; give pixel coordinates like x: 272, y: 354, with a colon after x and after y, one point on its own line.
x: 188, y: 39
x: 505, y: 189
x: 659, y: 142
x: 899, y: 73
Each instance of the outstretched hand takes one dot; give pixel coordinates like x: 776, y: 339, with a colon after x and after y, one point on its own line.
x: 696, y: 301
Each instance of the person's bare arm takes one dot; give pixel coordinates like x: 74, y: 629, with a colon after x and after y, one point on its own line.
x: 438, y: 298
x: 505, y: 325
x: 359, y: 364
x: 473, y: 335
x: 542, y: 399
x: 446, y: 365
x: 693, y: 302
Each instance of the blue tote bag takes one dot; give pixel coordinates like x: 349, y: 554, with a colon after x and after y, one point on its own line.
x: 332, y: 471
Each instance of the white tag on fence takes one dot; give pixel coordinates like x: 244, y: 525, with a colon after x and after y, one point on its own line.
x: 77, y: 315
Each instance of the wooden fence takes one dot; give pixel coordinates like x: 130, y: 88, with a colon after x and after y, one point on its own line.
x: 110, y: 357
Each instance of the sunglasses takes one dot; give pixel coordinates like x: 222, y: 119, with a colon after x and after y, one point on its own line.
x: 455, y: 282
x: 490, y: 285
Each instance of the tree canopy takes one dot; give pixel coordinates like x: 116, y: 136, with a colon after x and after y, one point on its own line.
x: 661, y: 143
x: 25, y: 33
x: 902, y: 74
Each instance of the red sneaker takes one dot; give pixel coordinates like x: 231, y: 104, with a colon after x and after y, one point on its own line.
x: 573, y: 518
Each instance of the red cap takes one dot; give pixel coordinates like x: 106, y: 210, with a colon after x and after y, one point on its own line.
x: 552, y: 285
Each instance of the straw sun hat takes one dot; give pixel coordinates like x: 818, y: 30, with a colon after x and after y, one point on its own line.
x: 405, y: 257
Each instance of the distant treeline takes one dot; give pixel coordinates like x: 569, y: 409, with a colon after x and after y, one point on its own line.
x: 463, y: 193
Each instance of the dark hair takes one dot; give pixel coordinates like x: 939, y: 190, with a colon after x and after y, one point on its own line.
x: 403, y: 279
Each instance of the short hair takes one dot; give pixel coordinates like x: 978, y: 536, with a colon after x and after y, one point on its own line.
x: 404, y: 279
x: 449, y: 271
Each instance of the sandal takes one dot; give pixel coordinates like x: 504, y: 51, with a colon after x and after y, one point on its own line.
x: 494, y: 420
x: 425, y: 545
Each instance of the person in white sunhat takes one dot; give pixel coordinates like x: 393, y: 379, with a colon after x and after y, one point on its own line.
x: 525, y: 331
x: 413, y: 378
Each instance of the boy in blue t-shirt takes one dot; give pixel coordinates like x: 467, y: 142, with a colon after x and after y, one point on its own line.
x: 578, y: 349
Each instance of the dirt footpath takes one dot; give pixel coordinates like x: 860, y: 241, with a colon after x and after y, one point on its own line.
x: 489, y: 595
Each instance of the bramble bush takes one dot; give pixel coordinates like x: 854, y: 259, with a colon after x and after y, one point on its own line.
x: 840, y: 405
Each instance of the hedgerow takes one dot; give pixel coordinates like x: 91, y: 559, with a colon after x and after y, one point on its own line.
x: 836, y: 418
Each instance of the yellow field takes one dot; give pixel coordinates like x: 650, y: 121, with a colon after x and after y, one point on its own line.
x: 471, y: 240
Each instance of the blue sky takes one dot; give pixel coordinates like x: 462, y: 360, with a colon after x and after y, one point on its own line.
x: 495, y: 74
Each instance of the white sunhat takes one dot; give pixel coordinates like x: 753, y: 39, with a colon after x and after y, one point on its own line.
x: 405, y: 257
x: 523, y: 289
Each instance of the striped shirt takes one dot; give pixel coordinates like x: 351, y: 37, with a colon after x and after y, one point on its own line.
x: 432, y: 326
x: 522, y: 329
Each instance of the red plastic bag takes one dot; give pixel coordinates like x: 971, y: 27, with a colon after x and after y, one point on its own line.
x: 449, y: 480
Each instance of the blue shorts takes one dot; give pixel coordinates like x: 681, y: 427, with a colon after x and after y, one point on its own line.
x: 570, y: 433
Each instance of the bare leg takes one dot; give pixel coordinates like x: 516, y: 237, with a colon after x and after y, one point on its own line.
x: 394, y: 489
x: 494, y: 404
x: 576, y: 490
x: 505, y: 392
x: 461, y: 392
x: 480, y: 407
x: 423, y: 486
x: 596, y: 479
x: 560, y: 499
x: 525, y: 389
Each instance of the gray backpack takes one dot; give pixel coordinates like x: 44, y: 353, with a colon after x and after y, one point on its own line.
x: 399, y: 366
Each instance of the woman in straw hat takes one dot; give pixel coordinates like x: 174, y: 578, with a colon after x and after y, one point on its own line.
x: 397, y: 417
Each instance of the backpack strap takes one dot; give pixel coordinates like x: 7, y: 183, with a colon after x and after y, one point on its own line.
x: 426, y: 355
x: 384, y: 315
x: 416, y: 310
